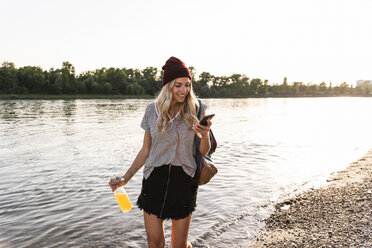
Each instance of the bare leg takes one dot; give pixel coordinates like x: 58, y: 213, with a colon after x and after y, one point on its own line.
x: 155, y: 230
x: 180, y: 232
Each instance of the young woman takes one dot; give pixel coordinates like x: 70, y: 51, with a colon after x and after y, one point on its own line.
x: 168, y: 188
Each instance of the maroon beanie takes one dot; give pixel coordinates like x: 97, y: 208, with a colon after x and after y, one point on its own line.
x: 174, y: 68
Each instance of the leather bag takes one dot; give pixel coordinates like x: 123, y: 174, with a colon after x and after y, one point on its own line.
x: 205, y: 168
x: 207, y: 172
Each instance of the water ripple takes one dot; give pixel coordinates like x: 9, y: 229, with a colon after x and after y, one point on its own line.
x: 57, y: 157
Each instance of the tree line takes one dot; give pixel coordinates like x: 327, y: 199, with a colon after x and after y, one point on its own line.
x: 35, y: 80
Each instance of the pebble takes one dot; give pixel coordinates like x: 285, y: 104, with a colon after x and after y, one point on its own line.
x: 332, y: 216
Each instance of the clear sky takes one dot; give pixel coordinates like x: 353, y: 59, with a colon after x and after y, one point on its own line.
x: 304, y: 40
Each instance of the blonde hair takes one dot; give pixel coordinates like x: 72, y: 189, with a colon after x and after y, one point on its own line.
x: 187, y: 108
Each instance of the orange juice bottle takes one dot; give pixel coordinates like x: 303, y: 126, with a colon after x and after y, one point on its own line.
x: 123, y: 199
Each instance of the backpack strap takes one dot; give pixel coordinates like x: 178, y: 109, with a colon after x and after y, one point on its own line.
x: 199, y: 109
x: 211, y: 136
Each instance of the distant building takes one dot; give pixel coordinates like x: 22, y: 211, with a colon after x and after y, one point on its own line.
x: 359, y: 82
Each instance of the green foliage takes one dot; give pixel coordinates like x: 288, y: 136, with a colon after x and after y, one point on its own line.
x: 133, y: 82
x: 8, y: 78
x: 365, y: 88
x: 135, y: 89
x: 32, y: 78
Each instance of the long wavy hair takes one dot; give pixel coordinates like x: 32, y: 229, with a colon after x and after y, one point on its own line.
x: 187, y: 108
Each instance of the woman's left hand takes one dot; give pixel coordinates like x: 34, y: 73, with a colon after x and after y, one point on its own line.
x: 202, y: 131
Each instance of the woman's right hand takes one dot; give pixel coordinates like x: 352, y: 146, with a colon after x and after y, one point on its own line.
x: 117, y: 182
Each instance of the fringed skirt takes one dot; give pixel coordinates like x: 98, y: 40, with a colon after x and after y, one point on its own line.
x: 168, y: 193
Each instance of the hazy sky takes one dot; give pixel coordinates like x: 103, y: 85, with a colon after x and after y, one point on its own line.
x: 309, y: 41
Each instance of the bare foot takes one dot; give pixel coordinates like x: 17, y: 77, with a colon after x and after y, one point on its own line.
x: 189, y: 244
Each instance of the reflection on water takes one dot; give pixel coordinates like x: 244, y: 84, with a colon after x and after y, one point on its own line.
x: 56, y: 158
x: 69, y: 108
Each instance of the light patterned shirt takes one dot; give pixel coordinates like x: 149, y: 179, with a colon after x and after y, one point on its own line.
x: 175, y: 147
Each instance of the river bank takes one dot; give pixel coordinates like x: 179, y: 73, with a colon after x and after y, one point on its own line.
x: 336, y: 215
x: 116, y: 96
x: 69, y: 96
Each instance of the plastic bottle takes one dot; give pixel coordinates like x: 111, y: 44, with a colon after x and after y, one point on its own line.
x: 123, y: 199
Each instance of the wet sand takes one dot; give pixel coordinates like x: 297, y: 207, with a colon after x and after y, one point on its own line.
x: 336, y: 215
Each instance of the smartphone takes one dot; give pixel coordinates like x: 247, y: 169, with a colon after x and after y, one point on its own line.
x: 205, y: 119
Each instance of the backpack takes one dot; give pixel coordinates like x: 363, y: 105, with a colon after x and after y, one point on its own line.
x: 205, y: 168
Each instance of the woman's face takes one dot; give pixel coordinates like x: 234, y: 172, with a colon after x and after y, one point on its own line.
x: 181, y: 89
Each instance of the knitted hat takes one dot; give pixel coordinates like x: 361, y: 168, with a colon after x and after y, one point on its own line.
x: 174, y: 68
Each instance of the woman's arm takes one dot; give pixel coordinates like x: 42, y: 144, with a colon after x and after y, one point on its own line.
x: 138, y: 162
x: 205, y: 144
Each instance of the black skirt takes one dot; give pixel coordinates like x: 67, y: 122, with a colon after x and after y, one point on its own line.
x: 168, y: 193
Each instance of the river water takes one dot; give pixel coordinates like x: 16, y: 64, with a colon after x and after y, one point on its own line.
x: 56, y: 158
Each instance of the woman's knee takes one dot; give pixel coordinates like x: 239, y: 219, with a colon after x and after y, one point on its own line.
x: 155, y: 242
x: 155, y: 231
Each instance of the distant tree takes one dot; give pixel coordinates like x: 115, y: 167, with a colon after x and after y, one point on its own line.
x: 295, y: 88
x: 254, y: 85
x: 273, y: 90
x: 264, y: 88
x: 365, y: 88
x: 130, y: 74
x: 313, y: 89
x: 299, y: 88
x: 106, y: 88
x: 8, y: 78
x: 205, y: 92
x: 135, y: 89
x: 192, y: 72
x: 220, y: 82
x: 54, y: 84
x: 90, y: 84
x: 100, y: 78
x: 117, y: 79
x: 330, y: 88
x: 67, y: 78
x: 205, y: 78
x: 150, y: 82
x: 285, y: 81
x: 80, y: 86
x: 344, y: 88
x: 32, y: 78
x: 322, y: 88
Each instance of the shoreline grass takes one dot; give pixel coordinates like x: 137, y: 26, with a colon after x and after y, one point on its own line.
x: 116, y: 96
x: 69, y: 96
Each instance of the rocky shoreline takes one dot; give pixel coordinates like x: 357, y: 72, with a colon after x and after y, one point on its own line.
x: 336, y: 215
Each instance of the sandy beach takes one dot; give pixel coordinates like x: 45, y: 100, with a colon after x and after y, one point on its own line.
x: 336, y: 215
